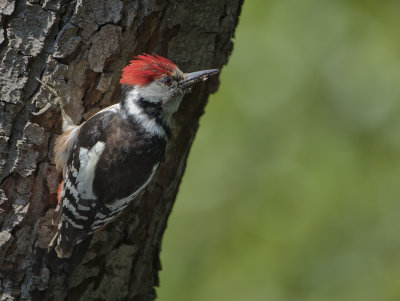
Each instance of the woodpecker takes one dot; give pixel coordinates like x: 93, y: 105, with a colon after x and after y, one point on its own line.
x: 109, y: 159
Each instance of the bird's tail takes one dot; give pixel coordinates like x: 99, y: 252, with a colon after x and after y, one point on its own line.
x: 60, y: 260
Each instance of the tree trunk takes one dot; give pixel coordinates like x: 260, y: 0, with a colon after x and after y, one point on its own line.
x: 79, y: 48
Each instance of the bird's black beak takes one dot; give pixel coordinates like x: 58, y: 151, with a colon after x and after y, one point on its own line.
x: 189, y: 79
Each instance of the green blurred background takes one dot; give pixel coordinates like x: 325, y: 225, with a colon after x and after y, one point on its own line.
x: 292, y: 185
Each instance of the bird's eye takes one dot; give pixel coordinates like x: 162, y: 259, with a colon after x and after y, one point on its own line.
x: 167, y: 81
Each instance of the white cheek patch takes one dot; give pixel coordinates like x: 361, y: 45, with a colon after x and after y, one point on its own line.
x: 86, y: 173
x: 154, y: 92
x: 134, y: 110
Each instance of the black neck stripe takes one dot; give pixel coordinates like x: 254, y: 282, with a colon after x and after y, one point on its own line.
x: 152, y: 109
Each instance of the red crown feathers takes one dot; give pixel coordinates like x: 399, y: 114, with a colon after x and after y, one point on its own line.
x: 146, y: 68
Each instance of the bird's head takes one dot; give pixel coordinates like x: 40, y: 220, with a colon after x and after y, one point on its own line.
x: 157, y: 79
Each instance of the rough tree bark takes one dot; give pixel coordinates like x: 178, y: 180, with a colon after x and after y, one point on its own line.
x: 79, y: 48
